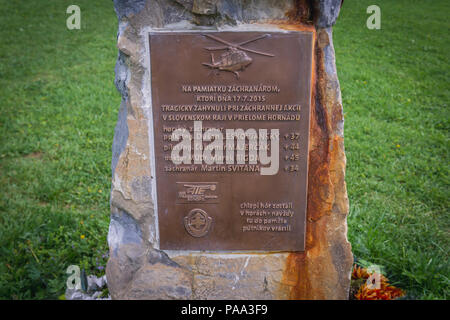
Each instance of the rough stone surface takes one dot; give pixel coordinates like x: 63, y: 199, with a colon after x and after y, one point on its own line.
x: 94, y: 290
x: 95, y: 284
x: 136, y: 268
x: 160, y: 281
x: 239, y: 276
x: 326, y: 12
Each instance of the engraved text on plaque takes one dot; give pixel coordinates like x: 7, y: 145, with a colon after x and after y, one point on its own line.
x: 236, y: 177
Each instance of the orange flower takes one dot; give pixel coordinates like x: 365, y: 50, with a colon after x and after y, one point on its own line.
x: 359, y: 273
x: 384, y: 291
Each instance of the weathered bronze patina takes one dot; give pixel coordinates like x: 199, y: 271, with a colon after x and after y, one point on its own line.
x: 232, y: 80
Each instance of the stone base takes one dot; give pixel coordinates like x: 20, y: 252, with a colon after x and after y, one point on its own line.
x: 136, y: 268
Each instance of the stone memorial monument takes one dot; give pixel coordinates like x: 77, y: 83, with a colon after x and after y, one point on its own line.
x: 228, y: 158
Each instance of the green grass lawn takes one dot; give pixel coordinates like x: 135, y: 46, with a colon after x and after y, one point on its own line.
x: 59, y: 107
x: 395, y: 88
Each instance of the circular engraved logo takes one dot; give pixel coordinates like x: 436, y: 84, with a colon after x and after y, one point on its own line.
x: 197, y: 223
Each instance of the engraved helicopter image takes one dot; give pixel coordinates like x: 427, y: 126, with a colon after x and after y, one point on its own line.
x: 235, y: 59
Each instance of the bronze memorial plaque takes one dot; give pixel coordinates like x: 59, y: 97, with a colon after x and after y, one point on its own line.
x: 231, y: 126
